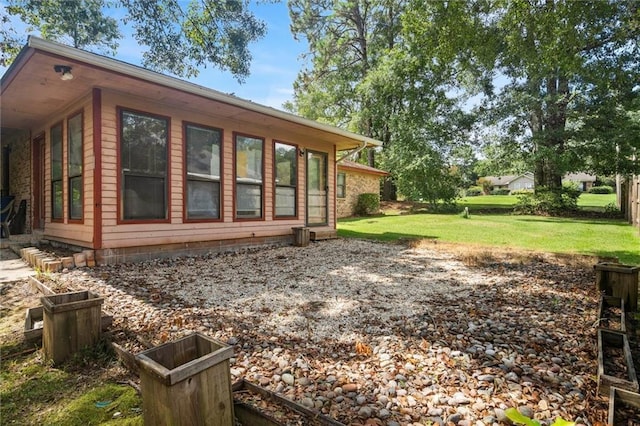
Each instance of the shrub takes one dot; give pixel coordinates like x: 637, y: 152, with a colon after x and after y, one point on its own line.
x: 367, y: 204
x: 501, y: 191
x: 474, y: 191
x: 601, y: 190
x: 522, y: 192
x: 485, y: 184
x: 606, y: 181
x: 546, y: 202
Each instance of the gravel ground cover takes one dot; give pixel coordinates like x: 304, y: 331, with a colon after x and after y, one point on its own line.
x: 377, y: 334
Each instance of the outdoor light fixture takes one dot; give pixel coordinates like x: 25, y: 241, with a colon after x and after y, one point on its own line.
x: 301, y: 152
x: 65, y: 71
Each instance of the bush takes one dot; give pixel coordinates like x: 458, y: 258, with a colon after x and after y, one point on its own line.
x: 501, y: 191
x: 601, y: 190
x: 522, y: 192
x: 367, y: 204
x: 474, y: 191
x: 546, y: 202
x: 606, y: 181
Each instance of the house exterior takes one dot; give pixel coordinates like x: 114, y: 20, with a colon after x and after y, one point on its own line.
x: 512, y: 182
x: 352, y: 180
x: 584, y: 181
x: 135, y: 164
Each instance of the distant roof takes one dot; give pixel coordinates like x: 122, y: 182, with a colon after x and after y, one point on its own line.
x: 580, y: 177
x: 351, y: 165
x: 507, y: 179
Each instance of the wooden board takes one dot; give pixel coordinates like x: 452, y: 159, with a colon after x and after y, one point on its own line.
x: 256, y: 417
x: 607, y: 302
x: 620, y: 398
x: 608, y: 338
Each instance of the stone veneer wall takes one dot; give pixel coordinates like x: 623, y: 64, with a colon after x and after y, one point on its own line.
x: 356, y: 184
x: 20, y: 173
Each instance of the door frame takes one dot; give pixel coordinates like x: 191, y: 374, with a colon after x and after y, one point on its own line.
x: 38, y: 153
x: 310, y: 152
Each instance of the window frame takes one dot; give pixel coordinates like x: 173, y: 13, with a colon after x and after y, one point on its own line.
x: 342, y: 194
x: 186, y: 179
x: 294, y: 186
x: 71, y: 177
x: 262, y: 216
x: 60, y: 179
x: 121, y: 175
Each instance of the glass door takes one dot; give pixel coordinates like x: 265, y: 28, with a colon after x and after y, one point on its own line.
x: 317, y: 188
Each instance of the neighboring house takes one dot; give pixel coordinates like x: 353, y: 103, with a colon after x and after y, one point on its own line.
x: 584, y: 181
x: 512, y: 182
x: 354, y: 179
x: 135, y: 164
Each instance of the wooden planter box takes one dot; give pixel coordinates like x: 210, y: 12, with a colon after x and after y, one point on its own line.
x: 301, y: 236
x: 608, y: 339
x: 623, y: 407
x: 188, y: 382
x: 34, y: 322
x: 611, y: 314
x: 614, y: 279
x: 72, y: 321
x: 248, y: 414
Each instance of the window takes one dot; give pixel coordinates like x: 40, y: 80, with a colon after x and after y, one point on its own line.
x: 143, y: 160
x: 248, y: 152
x: 203, y: 172
x: 57, y: 194
x: 341, y: 190
x: 285, y: 159
x: 74, y: 171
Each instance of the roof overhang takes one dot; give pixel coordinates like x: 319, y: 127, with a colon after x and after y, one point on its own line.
x: 32, y: 91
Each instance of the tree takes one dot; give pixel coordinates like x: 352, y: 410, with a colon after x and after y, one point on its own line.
x: 80, y: 23
x: 361, y: 77
x: 347, y: 40
x: 180, y: 38
x: 569, y: 66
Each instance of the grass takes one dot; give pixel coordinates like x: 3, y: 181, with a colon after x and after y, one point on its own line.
x: 35, y: 393
x: 601, y: 237
x: 592, y: 202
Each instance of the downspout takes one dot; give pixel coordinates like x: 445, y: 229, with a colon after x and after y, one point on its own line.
x: 355, y: 151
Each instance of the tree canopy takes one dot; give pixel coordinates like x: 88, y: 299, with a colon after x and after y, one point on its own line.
x: 180, y: 37
x: 548, y: 85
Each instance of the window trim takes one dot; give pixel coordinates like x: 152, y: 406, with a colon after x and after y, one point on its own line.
x: 185, y: 176
x: 120, y: 177
x: 344, y: 185
x: 59, y: 124
x: 235, y: 179
x: 81, y: 175
x: 296, y: 214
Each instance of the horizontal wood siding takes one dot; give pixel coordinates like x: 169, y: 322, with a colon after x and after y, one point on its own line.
x: 80, y: 234
x: 139, y: 234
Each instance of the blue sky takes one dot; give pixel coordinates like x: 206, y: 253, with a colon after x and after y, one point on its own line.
x: 274, y: 67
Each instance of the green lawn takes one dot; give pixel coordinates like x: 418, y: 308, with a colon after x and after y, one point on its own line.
x: 506, y: 202
x: 606, y: 238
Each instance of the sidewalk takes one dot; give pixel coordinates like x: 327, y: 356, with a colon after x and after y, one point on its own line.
x: 12, y: 268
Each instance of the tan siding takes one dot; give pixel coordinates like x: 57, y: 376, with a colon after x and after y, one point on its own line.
x: 130, y: 235
x: 72, y: 233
